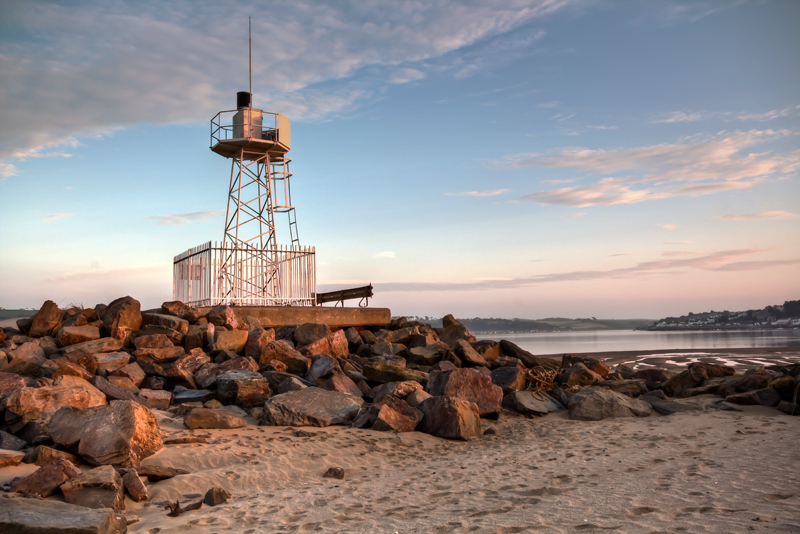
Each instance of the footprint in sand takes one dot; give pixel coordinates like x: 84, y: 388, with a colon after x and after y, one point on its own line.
x: 641, y: 510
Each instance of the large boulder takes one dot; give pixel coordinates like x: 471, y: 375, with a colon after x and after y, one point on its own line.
x: 31, y: 516
x: 223, y: 315
x: 751, y: 382
x: 232, y: 340
x: 308, y: 333
x: 528, y: 359
x: 311, y: 407
x: 381, y: 371
x: 46, y: 480
x: 470, y: 385
x: 454, y: 330
x: 122, y: 315
x: 393, y: 414
x: 531, y: 403
x: 631, y: 388
x: 206, y: 376
x: 468, y: 355
x: 509, y: 378
x: 679, y: 384
x: 46, y: 321
x: 282, y: 351
x: 243, y: 388
x: 100, y: 487
x: 596, y: 403
x: 122, y: 433
x: 167, y: 321
x: 762, y: 397
x: 39, y: 404
x: 451, y: 418
x: 9, y: 383
x: 257, y: 339
x: 69, y: 335
x: 213, y: 418
x: 179, y: 309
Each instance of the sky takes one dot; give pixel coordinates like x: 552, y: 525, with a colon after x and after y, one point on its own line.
x: 510, y: 158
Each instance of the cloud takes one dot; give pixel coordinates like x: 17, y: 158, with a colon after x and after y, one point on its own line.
x: 7, y: 170
x: 574, y: 215
x: 670, y: 253
x: 92, y: 67
x: 728, y: 116
x: 490, y: 193
x: 616, y: 255
x: 761, y: 215
x: 602, y: 127
x: 668, y: 226
x: 548, y: 105
x: 185, y: 218
x: 385, y: 254
x: 54, y: 216
x: 699, y: 165
x: 724, y: 260
x: 401, y: 76
x: 681, y: 116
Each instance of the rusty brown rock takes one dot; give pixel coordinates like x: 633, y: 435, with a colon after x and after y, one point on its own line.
x: 121, y: 314
x: 213, y: 418
x: 10, y: 458
x: 243, y: 388
x: 470, y: 385
x: 67, y: 368
x: 223, y: 315
x: 232, y: 340
x: 155, y: 399
x: 101, y: 487
x: 134, y: 485
x: 179, y: 309
x: 509, y: 378
x: 451, y: 418
x: 122, y: 433
x: 282, y: 351
x: 167, y: 321
x: 39, y: 404
x: 43, y: 455
x: 70, y: 335
x: 47, y: 479
x: 341, y: 383
x: 46, y: 321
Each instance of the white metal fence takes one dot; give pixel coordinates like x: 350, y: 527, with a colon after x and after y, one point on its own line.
x: 217, y: 273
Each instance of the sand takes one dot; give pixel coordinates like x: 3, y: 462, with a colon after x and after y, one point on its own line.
x: 688, y: 472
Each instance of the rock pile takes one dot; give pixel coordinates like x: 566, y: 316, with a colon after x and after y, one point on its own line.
x: 82, y: 383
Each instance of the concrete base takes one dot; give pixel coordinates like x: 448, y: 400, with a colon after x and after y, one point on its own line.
x: 274, y: 316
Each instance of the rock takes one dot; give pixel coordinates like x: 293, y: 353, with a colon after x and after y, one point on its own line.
x: 353, y: 339
x: 417, y: 397
x: 257, y: 339
x: 206, y: 376
x: 652, y: 375
x: 282, y: 351
x: 232, y: 340
x: 468, y: 356
x: 382, y: 372
x: 334, y: 472
x: 46, y: 321
x: 223, y: 315
x: 763, y: 397
x: 713, y: 370
x: 510, y: 349
x: 101, y: 487
x: 396, y: 415
x: 31, y: 516
x: 10, y: 458
x: 111, y: 391
x: 453, y: 331
x: 789, y: 408
x: 631, y: 388
x: 685, y: 380
x: 470, y: 385
x: 111, y: 361
x: 339, y: 346
x: 199, y: 337
x: 451, y: 418
x: 184, y: 367
x: 667, y: 406
x: 166, y: 321
x: 308, y: 333
x: 322, y: 368
x: 182, y: 395
x: 132, y: 371
x: 213, y: 418
x: 741, y: 385
x: 104, y: 344
x: 243, y: 388
x: 11, y: 442
x: 400, y: 390
x: 509, y: 379
x: 216, y: 496
x: 121, y: 314
x: 290, y: 384
x: 9, y: 383
x: 47, y: 479
x: 531, y: 403
x: 67, y: 368
x: 311, y: 407
x: 341, y: 383
x: 156, y: 348
x: 785, y: 386
x: 179, y: 309
x: 595, y: 403
x: 43, y: 455
x: 321, y: 346
x: 70, y: 335
x: 27, y: 360
x: 423, y: 355
x: 39, y: 404
x: 579, y: 375
x: 156, y: 473
x: 134, y: 486
x: 155, y: 399
x: 122, y: 433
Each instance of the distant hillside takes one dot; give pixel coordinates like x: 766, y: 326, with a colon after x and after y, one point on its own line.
x: 553, y: 324
x: 11, y: 314
x: 786, y: 315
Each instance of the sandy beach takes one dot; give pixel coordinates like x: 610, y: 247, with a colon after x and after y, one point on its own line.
x: 688, y: 472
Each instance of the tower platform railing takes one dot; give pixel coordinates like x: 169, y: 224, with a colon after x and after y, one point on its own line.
x: 217, y: 273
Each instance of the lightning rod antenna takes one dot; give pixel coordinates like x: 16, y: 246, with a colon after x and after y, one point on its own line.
x: 250, y: 54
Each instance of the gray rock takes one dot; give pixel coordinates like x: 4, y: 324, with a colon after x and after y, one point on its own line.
x: 531, y: 403
x: 529, y: 360
x: 311, y: 407
x: 31, y: 516
x: 595, y: 403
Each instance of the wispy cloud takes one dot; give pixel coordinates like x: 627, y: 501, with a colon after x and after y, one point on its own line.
x: 761, y: 215
x: 617, y: 255
x: 602, y: 127
x: 385, y: 254
x: 185, y: 218
x: 54, y: 216
x: 728, y: 116
x: 668, y: 226
x: 724, y: 260
x: 490, y: 193
x: 549, y: 105
x: 699, y: 165
x: 574, y: 215
x: 669, y: 253
x: 81, y: 70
